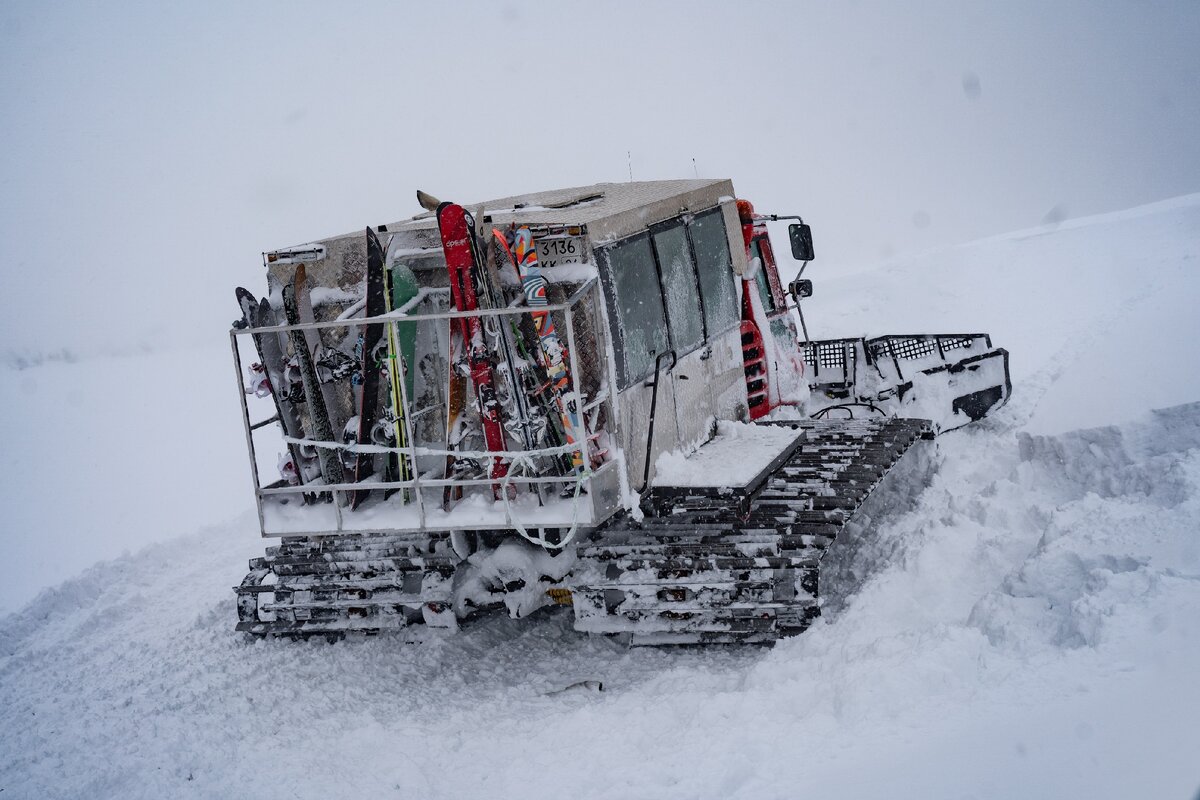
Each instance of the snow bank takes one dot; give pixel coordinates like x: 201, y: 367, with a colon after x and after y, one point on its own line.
x: 1027, y: 630
x: 1098, y: 314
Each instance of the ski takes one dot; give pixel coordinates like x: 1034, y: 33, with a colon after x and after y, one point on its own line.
x: 523, y: 254
x: 461, y: 249
x: 520, y: 418
x: 401, y: 289
x: 456, y: 404
x: 545, y: 420
x: 318, y: 412
x: 369, y: 336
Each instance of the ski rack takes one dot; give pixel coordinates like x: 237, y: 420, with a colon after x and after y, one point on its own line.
x: 598, y: 488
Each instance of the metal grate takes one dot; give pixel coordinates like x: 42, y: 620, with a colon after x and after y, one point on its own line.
x: 826, y: 355
x: 956, y: 343
x: 914, y: 348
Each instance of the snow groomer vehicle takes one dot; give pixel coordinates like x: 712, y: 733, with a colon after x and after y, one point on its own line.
x: 594, y: 397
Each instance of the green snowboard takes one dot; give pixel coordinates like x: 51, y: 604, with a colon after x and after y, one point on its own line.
x: 402, y: 288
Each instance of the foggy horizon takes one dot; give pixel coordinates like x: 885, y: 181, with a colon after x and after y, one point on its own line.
x: 153, y: 152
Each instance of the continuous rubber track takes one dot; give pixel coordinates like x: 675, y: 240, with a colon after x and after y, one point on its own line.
x: 338, y: 584
x: 707, y: 566
x: 716, y: 568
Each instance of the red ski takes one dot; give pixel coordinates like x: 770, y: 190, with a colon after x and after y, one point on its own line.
x: 462, y: 259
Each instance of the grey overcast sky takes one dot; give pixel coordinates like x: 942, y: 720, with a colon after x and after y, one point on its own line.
x: 152, y: 150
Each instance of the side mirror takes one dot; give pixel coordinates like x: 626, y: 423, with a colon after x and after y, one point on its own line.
x: 801, y: 237
x: 800, y: 289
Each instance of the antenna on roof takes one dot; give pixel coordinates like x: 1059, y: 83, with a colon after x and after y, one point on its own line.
x: 629, y: 157
x: 695, y: 171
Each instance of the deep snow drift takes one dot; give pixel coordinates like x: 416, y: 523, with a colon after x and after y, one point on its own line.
x: 1030, y: 629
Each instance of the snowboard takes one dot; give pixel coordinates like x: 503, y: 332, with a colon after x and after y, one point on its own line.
x: 256, y: 314
x: 318, y: 411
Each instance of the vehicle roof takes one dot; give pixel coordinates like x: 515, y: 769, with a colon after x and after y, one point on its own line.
x: 609, y: 210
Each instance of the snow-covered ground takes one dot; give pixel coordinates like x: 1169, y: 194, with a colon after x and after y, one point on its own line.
x: 1030, y: 629
x: 112, y: 453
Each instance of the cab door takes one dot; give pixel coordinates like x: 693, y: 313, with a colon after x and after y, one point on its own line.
x: 694, y: 409
x: 642, y: 346
x: 672, y: 304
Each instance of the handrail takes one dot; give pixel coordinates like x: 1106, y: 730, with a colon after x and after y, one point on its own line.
x: 267, y: 491
x: 653, y: 407
x: 398, y: 316
x: 587, y: 293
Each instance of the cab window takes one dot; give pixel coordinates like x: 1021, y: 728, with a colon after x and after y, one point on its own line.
x: 684, y: 314
x: 672, y: 287
x: 710, y: 241
x: 764, y: 288
x: 635, y: 304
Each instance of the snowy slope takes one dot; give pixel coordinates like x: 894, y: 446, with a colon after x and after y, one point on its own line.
x: 1030, y: 629
x: 1100, y: 313
x: 140, y: 439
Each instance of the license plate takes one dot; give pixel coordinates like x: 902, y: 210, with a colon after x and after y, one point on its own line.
x: 555, y: 250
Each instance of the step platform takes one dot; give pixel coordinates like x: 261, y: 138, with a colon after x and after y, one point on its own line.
x: 732, y: 467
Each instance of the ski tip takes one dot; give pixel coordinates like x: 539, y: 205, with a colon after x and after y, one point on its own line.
x: 376, y: 256
x: 265, y: 312
x: 244, y: 294
x: 427, y: 201
x: 502, y: 238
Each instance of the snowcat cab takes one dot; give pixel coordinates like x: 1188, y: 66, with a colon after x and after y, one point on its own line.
x: 950, y: 379
x: 548, y: 398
